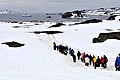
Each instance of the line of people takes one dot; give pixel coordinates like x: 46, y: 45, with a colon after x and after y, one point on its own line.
x: 85, y: 58
x: 64, y: 50
x: 89, y: 60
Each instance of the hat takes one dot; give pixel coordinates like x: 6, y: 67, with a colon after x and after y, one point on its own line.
x: 119, y: 54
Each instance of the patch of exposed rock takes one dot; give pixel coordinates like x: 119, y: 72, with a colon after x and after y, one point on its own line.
x: 104, y: 36
x: 47, y: 32
x: 57, y: 25
x: 13, y: 44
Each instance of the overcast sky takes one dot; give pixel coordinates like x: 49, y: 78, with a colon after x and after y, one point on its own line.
x: 55, y: 5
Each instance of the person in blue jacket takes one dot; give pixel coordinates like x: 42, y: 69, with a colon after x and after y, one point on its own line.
x: 117, y: 63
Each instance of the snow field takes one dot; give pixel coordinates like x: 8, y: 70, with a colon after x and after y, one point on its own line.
x: 38, y: 61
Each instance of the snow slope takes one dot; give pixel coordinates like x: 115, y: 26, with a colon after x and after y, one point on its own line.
x: 103, y: 11
x: 38, y: 61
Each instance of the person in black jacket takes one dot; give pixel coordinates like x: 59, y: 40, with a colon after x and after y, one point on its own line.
x: 54, y: 45
x: 78, y: 55
x: 90, y: 59
x: 98, y: 62
x: 74, y: 58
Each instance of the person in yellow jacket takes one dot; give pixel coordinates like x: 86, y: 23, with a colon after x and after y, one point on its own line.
x: 94, y: 60
x: 98, y: 62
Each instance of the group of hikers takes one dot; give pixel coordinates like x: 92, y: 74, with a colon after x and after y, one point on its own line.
x: 87, y: 59
x: 96, y: 61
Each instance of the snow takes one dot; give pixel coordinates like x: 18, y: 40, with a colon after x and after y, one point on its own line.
x: 5, y: 11
x: 117, y: 18
x: 38, y: 61
x: 103, y: 11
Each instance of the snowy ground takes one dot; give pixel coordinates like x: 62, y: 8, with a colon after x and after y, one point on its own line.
x: 38, y: 61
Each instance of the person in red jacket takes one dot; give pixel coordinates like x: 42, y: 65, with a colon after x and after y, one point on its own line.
x: 104, y: 61
x: 83, y: 57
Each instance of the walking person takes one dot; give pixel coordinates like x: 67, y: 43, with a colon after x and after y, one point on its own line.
x: 102, y: 61
x: 74, y: 58
x: 90, y: 59
x: 87, y: 60
x: 65, y: 50
x: 72, y: 52
x: 98, y: 61
x: 69, y: 50
x: 54, y: 45
x: 117, y: 63
x: 78, y: 55
x: 94, y: 60
x: 105, y: 62
x: 83, y: 57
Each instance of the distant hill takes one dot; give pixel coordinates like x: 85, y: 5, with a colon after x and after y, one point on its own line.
x: 73, y: 14
x: 83, y: 13
x: 102, y: 11
x: 5, y: 11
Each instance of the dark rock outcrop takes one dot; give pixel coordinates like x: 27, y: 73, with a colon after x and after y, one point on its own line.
x: 79, y: 14
x: 112, y: 17
x: 57, y: 25
x: 87, y: 22
x: 67, y: 15
x: 70, y: 14
x: 48, y: 16
x: 13, y: 44
x: 47, y: 32
x: 104, y: 36
x: 91, y: 21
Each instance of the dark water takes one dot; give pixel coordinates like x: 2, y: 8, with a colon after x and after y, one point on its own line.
x: 41, y: 17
